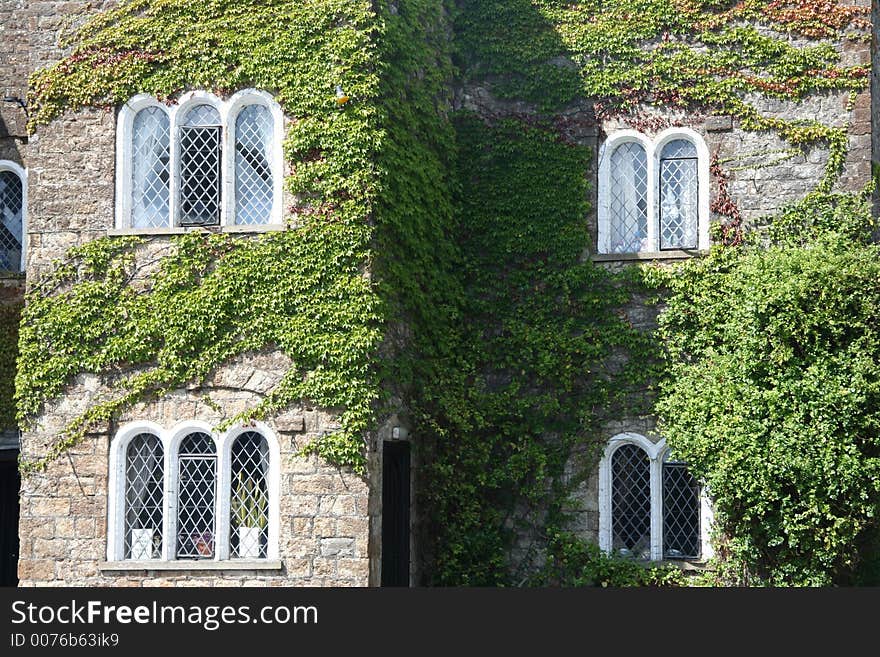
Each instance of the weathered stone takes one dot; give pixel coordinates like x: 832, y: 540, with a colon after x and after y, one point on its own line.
x: 332, y: 547
x: 719, y: 123
x: 290, y: 423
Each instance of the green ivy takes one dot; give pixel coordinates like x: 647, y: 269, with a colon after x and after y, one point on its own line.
x: 534, y: 371
x: 572, y: 562
x: 627, y: 55
x: 10, y: 317
x: 435, y: 261
x: 210, y: 298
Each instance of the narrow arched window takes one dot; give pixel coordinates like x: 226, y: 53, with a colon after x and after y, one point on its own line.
x: 681, y: 511
x: 11, y: 219
x: 150, y: 169
x: 628, y: 199
x: 254, y: 182
x: 196, y: 495
x: 144, y: 497
x: 679, y: 199
x: 631, y: 501
x: 249, y: 497
x: 201, y: 158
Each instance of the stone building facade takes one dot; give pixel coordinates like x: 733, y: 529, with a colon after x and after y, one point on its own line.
x: 328, y: 529
x: 764, y: 174
x: 324, y: 515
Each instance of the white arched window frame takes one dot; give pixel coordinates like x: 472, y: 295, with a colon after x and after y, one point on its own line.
x: 125, y: 155
x: 235, y: 105
x: 653, y: 149
x: 171, y: 440
x: 21, y: 172
x: 615, y: 141
x: 177, y: 113
x: 273, y: 482
x: 656, y: 453
x: 117, y: 487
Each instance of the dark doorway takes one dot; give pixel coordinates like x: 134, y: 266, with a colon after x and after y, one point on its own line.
x: 9, y: 485
x: 395, y: 514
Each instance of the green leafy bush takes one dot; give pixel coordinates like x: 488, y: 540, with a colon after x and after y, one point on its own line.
x: 572, y: 562
x: 773, y: 398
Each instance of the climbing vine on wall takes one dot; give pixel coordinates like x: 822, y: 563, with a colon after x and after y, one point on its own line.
x: 210, y: 298
x: 435, y: 263
x: 10, y: 316
x: 668, y: 54
x: 362, y: 256
x: 627, y: 58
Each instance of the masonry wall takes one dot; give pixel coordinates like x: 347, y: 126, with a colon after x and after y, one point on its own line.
x: 324, y: 529
x: 765, y: 174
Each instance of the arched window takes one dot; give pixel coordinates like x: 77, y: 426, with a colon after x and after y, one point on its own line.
x: 650, y: 506
x: 249, y: 496
x: 678, y: 195
x: 254, y: 185
x: 653, y: 195
x: 681, y: 511
x: 150, y: 172
x: 629, y: 198
x: 13, y: 205
x: 201, y: 162
x: 185, y: 494
x: 631, y: 501
x: 196, y: 496
x: 144, y: 497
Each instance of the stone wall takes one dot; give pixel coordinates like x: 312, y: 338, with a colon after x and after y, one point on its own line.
x: 324, y: 532
x: 765, y: 174
x: 325, y: 512
x: 324, y: 526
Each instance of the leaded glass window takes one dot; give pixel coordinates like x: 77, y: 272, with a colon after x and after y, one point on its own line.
x: 196, y: 494
x: 249, y: 497
x: 628, y: 211
x: 254, y: 188
x: 201, y: 156
x: 678, y: 195
x: 144, y: 497
x: 11, y: 214
x: 150, y: 151
x: 631, y: 501
x: 681, y: 512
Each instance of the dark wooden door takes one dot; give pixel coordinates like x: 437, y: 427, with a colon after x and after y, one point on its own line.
x: 395, y: 514
x: 9, y: 485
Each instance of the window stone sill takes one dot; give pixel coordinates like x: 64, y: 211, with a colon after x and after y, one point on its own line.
x: 676, y: 254
x: 231, y: 565
x: 180, y: 230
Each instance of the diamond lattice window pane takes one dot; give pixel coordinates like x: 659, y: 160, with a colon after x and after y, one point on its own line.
x: 200, y: 167
x: 678, y: 196
x: 150, y: 169
x: 631, y: 501
x: 202, y: 115
x: 197, y: 486
x: 11, y: 211
x: 681, y: 513
x: 253, y: 172
x: 628, y: 211
x: 144, y: 485
x: 249, y: 498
